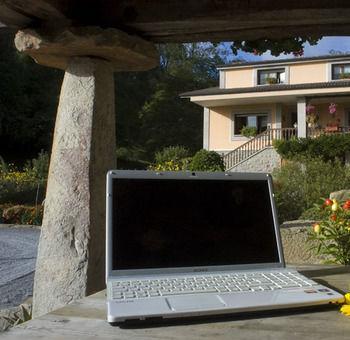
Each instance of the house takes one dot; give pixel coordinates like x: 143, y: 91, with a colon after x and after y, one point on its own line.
x: 278, y: 99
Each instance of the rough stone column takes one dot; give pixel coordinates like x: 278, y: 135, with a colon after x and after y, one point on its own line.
x: 301, y: 108
x: 71, y: 255
x: 72, y: 237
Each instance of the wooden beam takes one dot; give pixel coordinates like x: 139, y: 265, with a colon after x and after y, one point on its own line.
x: 22, y: 13
x: 187, y: 20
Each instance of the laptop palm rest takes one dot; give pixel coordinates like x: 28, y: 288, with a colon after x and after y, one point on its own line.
x: 183, y: 303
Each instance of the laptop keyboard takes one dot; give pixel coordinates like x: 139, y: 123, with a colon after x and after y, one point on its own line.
x: 223, y: 283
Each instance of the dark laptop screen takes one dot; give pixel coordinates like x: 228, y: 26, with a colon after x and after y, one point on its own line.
x: 188, y: 223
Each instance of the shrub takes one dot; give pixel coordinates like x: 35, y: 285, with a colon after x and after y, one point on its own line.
x: 327, y: 147
x: 25, y: 186
x: 172, y: 158
x: 205, y: 160
x: 38, y: 167
x: 300, y: 183
x: 172, y: 153
x: 21, y: 214
x: 249, y: 131
x: 131, y: 158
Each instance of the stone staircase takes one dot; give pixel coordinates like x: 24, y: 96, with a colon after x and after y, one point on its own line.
x: 255, y: 145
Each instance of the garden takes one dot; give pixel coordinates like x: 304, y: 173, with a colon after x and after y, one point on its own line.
x: 22, y: 191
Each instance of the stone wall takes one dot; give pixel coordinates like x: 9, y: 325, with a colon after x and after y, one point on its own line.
x: 263, y: 161
x: 296, y: 249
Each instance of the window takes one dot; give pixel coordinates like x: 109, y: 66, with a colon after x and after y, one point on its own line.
x: 340, y: 71
x: 271, y: 76
x: 257, y: 120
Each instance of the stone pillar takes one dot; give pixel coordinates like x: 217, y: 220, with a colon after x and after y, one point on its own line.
x: 206, y: 124
x: 301, y: 110
x: 71, y: 249
x: 71, y: 254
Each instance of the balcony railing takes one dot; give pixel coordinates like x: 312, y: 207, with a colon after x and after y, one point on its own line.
x: 316, y: 132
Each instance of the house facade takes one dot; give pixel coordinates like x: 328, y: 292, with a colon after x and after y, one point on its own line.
x: 301, y: 97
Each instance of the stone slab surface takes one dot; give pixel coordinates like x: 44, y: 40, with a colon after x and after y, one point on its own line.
x: 86, y: 319
x: 124, y: 52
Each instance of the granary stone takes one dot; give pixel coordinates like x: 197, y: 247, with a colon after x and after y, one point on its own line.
x: 55, y: 49
x: 71, y: 256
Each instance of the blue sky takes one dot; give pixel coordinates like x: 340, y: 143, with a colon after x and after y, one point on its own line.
x: 324, y: 46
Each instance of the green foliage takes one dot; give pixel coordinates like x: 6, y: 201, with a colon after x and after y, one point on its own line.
x: 293, y: 45
x: 21, y: 214
x: 131, y: 158
x: 332, y: 234
x: 22, y: 315
x: 205, y: 160
x: 327, y: 147
x: 25, y: 186
x: 172, y: 158
x: 315, y: 213
x: 39, y: 167
x: 172, y: 153
x: 150, y: 112
x: 249, y: 131
x: 300, y: 184
x: 28, y: 102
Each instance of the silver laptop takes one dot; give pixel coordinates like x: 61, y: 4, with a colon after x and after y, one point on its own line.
x: 182, y: 244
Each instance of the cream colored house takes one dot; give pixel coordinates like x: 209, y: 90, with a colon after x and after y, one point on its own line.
x: 280, y: 98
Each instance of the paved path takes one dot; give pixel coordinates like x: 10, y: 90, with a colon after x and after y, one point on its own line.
x: 18, y: 249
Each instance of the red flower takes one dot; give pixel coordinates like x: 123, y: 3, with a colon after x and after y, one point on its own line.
x: 346, y: 205
x: 333, y: 217
x: 328, y: 202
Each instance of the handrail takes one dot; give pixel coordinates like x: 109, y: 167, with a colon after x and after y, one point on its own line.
x: 259, y: 142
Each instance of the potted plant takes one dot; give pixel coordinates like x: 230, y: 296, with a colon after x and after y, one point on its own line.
x: 271, y: 80
x: 311, y: 116
x: 345, y: 75
x: 249, y: 131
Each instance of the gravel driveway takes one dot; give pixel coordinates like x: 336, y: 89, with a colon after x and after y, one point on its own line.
x: 18, y: 250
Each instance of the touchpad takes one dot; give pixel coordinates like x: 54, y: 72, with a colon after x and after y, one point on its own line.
x: 187, y: 302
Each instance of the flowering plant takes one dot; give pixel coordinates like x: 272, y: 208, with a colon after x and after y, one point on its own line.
x: 312, y: 116
x: 332, y: 233
x: 332, y: 108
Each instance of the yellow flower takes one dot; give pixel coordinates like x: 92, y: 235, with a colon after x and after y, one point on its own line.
x: 335, y: 205
x: 345, y: 309
x: 316, y: 228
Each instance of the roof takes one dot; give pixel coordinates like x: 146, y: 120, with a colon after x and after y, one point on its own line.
x: 264, y: 88
x: 186, y: 21
x: 241, y: 64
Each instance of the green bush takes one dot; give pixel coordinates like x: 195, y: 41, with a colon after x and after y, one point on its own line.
x: 25, y: 186
x: 249, y: 131
x: 327, y: 147
x: 39, y: 167
x: 172, y: 158
x: 172, y: 153
x: 131, y: 158
x: 205, y: 160
x: 299, y: 184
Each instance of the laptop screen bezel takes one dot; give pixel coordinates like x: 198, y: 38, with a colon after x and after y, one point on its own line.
x: 142, y: 174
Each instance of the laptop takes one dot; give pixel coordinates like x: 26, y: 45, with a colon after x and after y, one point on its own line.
x: 184, y: 244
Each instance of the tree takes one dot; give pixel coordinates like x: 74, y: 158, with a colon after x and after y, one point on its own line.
x: 28, y: 102
x: 150, y: 113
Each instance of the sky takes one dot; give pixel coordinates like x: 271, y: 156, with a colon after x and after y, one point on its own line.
x: 324, y: 47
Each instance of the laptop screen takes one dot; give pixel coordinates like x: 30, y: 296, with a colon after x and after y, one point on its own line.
x: 169, y: 223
